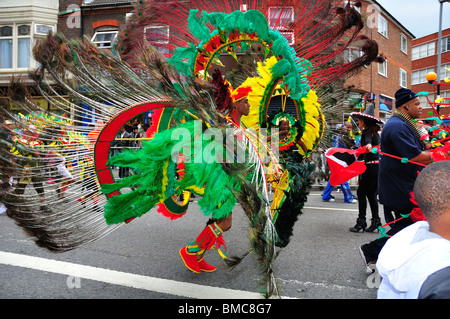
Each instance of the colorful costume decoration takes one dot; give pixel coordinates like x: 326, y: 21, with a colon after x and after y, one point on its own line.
x: 189, y: 100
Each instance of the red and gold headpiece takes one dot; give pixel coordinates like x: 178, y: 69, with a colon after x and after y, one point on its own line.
x: 240, y: 93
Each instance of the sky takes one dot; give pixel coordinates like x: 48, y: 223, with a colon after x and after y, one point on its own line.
x: 420, y: 17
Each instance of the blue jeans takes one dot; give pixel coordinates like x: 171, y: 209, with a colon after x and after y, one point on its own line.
x: 345, y: 190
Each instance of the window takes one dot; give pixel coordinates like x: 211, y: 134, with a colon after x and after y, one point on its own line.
x: 6, y: 47
x: 15, y: 46
x: 289, y: 35
x: 129, y: 16
x: 16, y: 42
x: 24, y: 46
x: 104, y: 38
x: 280, y: 18
x: 382, y: 26
x: 42, y: 29
x: 445, y: 44
x: 418, y: 77
x: 158, y: 37
x: 423, y: 50
x: 382, y: 68
x: 446, y: 96
x: 445, y: 71
x: 403, y: 44
x: 351, y: 54
x: 403, y: 78
x: 352, y: 3
x: 424, y: 101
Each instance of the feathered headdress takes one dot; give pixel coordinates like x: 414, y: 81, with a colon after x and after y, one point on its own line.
x: 241, y: 92
x: 283, y: 116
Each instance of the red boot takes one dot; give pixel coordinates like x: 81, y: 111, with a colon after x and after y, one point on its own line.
x: 210, y: 237
x: 190, y: 260
x: 204, y: 266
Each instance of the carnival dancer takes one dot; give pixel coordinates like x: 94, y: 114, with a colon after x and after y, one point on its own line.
x: 289, y: 132
x: 368, y: 180
x: 340, y: 140
x: 399, y: 137
x: 212, y: 235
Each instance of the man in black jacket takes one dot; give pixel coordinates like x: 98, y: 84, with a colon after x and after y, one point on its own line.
x: 399, y: 137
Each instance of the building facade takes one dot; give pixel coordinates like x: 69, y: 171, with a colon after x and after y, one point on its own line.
x: 379, y: 82
x: 22, y: 24
x: 98, y: 21
x: 424, y: 61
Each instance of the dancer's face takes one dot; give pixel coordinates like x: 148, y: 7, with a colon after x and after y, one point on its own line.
x: 242, y: 106
x: 284, y: 126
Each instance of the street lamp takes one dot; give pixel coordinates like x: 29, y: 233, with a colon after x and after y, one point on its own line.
x: 431, y: 78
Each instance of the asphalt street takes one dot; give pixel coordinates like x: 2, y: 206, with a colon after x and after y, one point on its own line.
x: 140, y: 260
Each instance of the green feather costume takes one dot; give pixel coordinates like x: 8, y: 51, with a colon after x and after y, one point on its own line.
x: 155, y: 177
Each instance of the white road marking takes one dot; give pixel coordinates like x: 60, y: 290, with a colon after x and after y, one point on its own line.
x: 331, y: 208
x: 165, y: 286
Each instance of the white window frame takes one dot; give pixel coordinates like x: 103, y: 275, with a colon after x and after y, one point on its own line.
x: 30, y: 44
x: 383, y: 71
x: 104, y: 44
x: 423, y: 101
x: 403, y: 43
x: 37, y: 32
x: 445, y: 44
x: 444, y: 72
x: 155, y: 43
x: 352, y: 53
x: 445, y: 95
x: 383, y: 26
x: 403, y: 78
x: 33, y: 36
x: 280, y: 11
x: 129, y: 16
x: 352, y: 3
x: 419, y: 76
x: 289, y: 35
x: 423, y: 50
x: 10, y: 39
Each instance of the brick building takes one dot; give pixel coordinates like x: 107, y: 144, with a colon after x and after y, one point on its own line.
x: 99, y: 20
x: 382, y: 80
x: 424, y: 61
